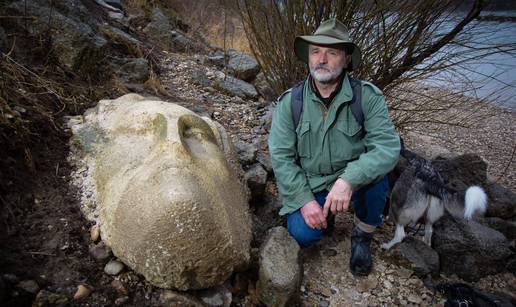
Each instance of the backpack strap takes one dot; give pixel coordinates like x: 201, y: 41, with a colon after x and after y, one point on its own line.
x: 356, y: 102
x: 297, y: 102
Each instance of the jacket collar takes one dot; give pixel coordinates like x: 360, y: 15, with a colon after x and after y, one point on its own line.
x: 344, y: 94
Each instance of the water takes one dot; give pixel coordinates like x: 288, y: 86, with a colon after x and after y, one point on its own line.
x: 492, y: 76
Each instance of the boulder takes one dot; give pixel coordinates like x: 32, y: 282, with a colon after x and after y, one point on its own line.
x: 256, y: 178
x: 417, y: 256
x: 462, y: 171
x: 121, y: 39
x: 507, y: 228
x: 266, y: 216
x: 75, y: 44
x: 169, y: 200
x: 502, y: 202
x: 236, y: 87
x: 159, y: 29
x: 469, y: 249
x: 280, y: 270
x: 265, y: 160
x: 133, y: 70
x: 217, y: 58
x: 184, y: 44
x: 263, y: 87
x: 246, y: 152
x: 242, y: 66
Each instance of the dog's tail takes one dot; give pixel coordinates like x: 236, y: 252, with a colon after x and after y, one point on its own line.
x: 475, y: 201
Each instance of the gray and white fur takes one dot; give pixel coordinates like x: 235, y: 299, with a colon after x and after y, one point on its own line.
x: 420, y: 194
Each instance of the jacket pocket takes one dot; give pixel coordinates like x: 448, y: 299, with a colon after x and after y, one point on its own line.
x: 346, y: 143
x: 303, y: 140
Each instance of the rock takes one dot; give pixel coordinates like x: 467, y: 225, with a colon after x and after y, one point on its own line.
x: 246, y: 152
x: 265, y: 161
x: 116, y: 16
x: 46, y: 298
x: 217, y: 59
x: 114, y: 3
x: 243, y: 66
x: 236, y: 87
x: 159, y: 29
x: 414, y: 299
x: 462, y: 171
x: 199, y: 77
x: 184, y: 44
x: 107, y: 5
x: 266, y: 216
x: 414, y: 254
x: 263, y: 87
x: 101, y: 252
x: 324, y: 303
x: 134, y: 70
x: 121, y: 300
x: 29, y: 285
x: 82, y: 292
x: 76, y: 44
x: 95, y: 233
x: 173, y: 298
x: 366, y: 284
x: 256, y: 178
x: 507, y: 228
x: 119, y: 286
x: 280, y: 270
x: 469, y: 249
x: 502, y: 202
x: 216, y: 297
x: 168, y: 195
x: 121, y: 39
x: 114, y: 267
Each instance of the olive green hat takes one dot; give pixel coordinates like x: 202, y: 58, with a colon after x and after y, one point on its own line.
x: 330, y: 32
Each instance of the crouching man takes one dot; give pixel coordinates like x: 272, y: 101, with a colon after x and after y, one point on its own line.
x: 332, y: 143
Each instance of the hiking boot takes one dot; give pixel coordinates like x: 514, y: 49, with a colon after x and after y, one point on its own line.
x: 361, y: 261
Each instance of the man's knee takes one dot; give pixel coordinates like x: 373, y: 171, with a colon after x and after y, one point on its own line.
x: 302, y: 233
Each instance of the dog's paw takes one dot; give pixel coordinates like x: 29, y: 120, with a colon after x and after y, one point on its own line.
x: 386, y: 246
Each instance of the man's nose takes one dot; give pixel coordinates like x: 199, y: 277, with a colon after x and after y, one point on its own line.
x: 323, y: 59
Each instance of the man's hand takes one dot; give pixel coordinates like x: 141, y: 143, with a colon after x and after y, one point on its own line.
x: 313, y: 215
x: 338, y: 198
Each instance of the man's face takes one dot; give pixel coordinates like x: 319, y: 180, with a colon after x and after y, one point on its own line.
x: 326, y: 63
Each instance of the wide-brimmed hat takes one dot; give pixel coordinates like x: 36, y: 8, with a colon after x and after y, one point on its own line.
x: 329, y: 32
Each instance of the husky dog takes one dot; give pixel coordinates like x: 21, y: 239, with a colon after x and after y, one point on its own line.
x: 420, y: 193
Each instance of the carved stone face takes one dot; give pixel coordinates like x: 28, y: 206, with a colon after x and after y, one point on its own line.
x: 169, y: 200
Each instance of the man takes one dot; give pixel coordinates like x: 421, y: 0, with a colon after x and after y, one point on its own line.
x: 329, y: 160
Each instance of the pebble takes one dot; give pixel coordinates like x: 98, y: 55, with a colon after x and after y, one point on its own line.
x: 100, y: 252
x: 366, y: 284
x: 114, y: 267
x: 82, y: 292
x: 121, y: 300
x: 29, y: 285
x: 387, y: 284
x: 95, y: 233
x: 414, y: 299
x: 119, y: 286
x: 324, y: 303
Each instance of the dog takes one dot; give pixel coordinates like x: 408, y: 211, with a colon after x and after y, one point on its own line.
x: 420, y: 193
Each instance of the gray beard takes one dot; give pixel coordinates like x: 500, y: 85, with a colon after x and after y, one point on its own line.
x: 328, y: 77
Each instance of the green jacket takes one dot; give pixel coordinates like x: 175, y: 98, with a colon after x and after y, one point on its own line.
x: 327, y: 144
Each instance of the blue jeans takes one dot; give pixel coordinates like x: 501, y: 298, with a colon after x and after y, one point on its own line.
x: 368, y: 204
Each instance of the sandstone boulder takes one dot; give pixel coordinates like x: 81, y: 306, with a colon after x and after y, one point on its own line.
x: 167, y: 193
